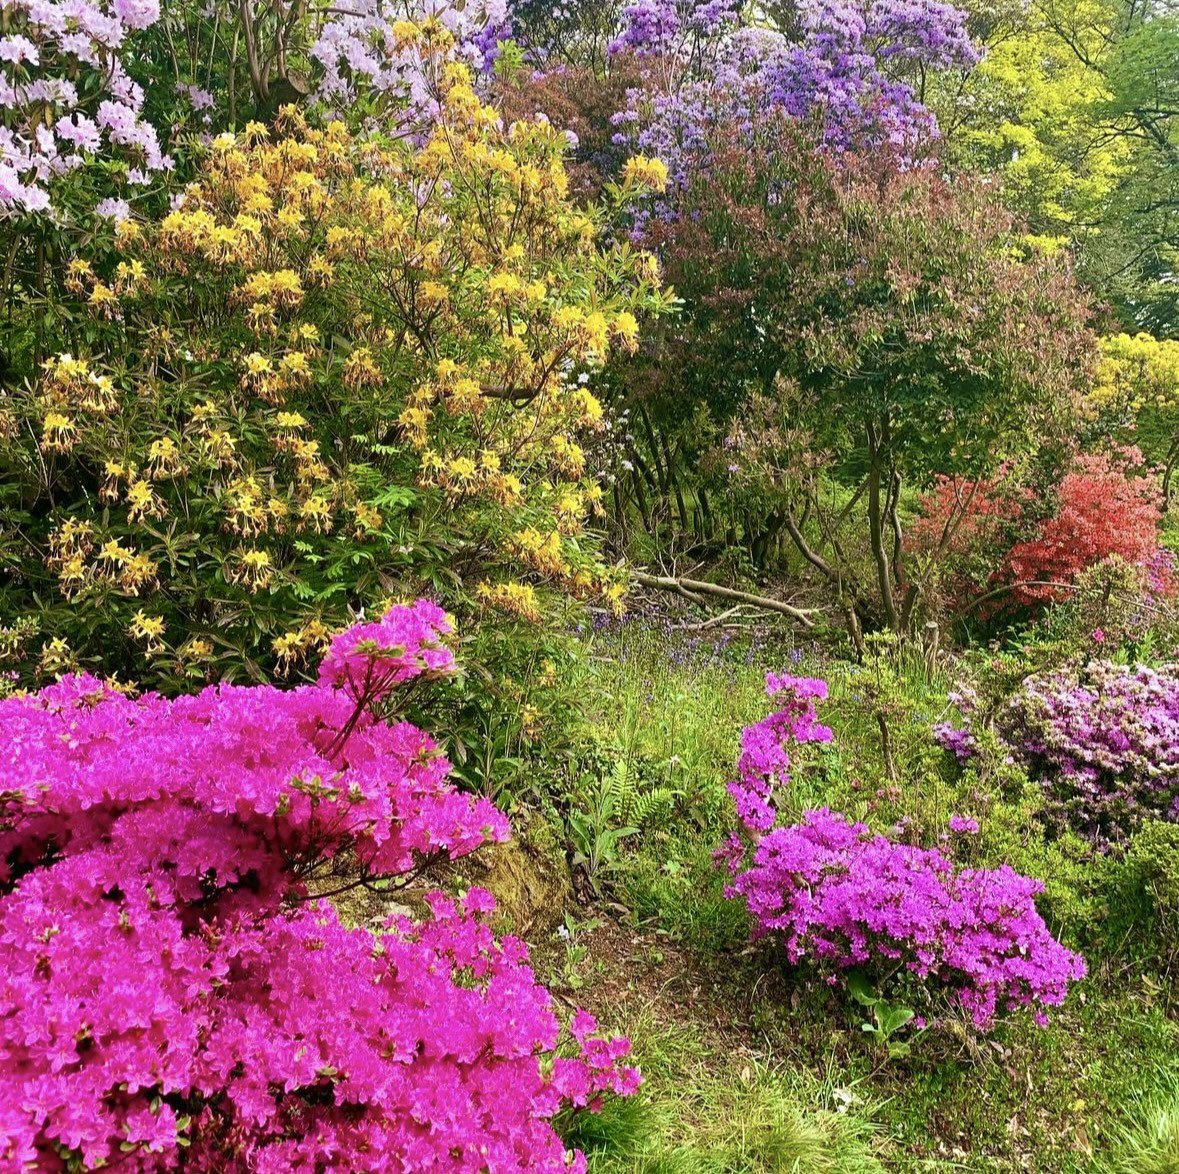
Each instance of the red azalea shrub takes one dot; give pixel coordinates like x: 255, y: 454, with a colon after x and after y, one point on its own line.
x: 1106, y: 507
x: 172, y: 993
x: 966, y: 526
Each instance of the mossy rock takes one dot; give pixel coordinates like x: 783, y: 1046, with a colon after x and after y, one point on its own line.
x: 531, y: 885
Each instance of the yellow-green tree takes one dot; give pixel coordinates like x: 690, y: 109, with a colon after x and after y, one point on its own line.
x: 1075, y: 107
x: 1136, y: 386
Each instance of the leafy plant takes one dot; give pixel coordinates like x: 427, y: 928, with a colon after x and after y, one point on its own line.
x: 341, y: 368
x: 888, y: 1019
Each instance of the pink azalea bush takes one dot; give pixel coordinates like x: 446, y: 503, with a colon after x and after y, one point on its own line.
x: 174, y: 992
x: 1100, y: 738
x: 847, y: 898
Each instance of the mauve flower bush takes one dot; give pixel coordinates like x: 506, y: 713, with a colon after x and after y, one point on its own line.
x: 847, y: 898
x: 848, y: 70
x: 171, y: 992
x: 1103, y: 742
x: 66, y: 97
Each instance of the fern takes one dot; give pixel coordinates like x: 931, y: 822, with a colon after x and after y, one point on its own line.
x: 633, y: 801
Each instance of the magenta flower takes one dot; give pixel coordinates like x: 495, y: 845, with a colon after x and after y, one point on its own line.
x: 175, y: 991
x: 843, y: 897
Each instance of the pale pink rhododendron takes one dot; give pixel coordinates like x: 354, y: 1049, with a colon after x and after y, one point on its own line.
x: 172, y: 994
x: 844, y: 897
x: 66, y: 97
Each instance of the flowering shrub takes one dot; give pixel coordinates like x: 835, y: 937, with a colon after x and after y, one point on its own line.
x: 1103, y: 741
x: 696, y: 70
x: 335, y: 364
x: 847, y: 70
x: 66, y: 97
x: 1105, y: 511
x: 848, y: 898
x: 1106, y: 508
x: 175, y: 991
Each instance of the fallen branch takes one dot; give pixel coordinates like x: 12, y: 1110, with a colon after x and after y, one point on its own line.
x: 715, y: 621
x: 697, y: 587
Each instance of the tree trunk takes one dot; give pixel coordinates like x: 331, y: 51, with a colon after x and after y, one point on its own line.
x: 876, y: 525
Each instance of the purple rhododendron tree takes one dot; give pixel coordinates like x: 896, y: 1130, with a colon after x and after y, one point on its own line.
x: 176, y: 991
x: 850, y: 69
x: 846, y: 898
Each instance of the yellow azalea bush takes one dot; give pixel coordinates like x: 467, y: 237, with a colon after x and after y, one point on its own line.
x: 1136, y: 371
x: 340, y: 367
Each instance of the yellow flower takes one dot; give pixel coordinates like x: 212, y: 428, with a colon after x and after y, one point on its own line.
x: 149, y: 629
x: 103, y: 298
x: 253, y: 569
x: 645, y: 172
x: 58, y: 432
x: 518, y: 599
x: 360, y: 370
x: 368, y: 518
x: 503, y: 287
x: 318, y: 512
x: 143, y: 502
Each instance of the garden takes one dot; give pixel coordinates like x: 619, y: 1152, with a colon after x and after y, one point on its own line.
x: 589, y: 586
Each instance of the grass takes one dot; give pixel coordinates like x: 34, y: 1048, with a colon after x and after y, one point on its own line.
x: 1149, y: 1143
x: 792, y: 1083
x: 700, y: 1113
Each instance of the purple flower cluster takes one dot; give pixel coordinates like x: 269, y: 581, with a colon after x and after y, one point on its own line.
x: 705, y: 72
x: 65, y: 96
x: 1103, y: 741
x: 845, y: 897
x: 359, y: 51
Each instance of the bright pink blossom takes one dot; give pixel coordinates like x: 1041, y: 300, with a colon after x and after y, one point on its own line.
x: 846, y: 898
x: 172, y: 992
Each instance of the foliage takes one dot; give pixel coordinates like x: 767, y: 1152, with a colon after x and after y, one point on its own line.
x: 720, y: 1113
x: 335, y: 366
x: 1032, y: 545
x: 1148, y: 897
x: 848, y: 899
x: 888, y: 332
x: 1150, y: 1145
x: 174, y: 990
x: 1073, y: 108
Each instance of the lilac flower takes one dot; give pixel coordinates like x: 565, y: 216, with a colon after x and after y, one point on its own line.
x: 117, y: 210
x: 963, y: 823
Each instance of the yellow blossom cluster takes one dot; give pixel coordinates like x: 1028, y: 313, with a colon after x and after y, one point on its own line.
x: 330, y: 341
x: 1136, y: 371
